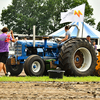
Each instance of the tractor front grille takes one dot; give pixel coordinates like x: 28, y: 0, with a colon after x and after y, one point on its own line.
x: 18, y: 49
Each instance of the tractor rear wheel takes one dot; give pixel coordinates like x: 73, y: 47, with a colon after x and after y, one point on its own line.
x: 34, y: 66
x: 78, y: 58
x: 14, y: 70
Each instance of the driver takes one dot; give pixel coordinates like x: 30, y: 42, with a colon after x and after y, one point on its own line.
x: 67, y: 35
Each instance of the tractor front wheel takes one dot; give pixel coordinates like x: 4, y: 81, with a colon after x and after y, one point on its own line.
x: 34, y: 66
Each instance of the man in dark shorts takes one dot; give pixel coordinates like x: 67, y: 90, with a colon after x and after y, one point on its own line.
x: 4, y: 47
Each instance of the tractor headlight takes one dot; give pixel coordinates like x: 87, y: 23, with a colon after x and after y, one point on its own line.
x: 26, y: 49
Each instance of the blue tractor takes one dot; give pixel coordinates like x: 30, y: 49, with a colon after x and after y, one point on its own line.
x: 76, y: 56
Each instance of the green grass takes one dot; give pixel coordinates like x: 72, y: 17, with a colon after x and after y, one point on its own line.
x: 46, y: 78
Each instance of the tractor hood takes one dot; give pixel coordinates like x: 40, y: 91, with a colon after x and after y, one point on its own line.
x: 38, y: 43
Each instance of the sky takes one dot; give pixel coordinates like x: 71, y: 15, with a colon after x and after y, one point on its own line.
x: 4, y: 4
x: 96, y: 6
x: 94, y: 3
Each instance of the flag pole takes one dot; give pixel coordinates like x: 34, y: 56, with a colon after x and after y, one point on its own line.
x: 82, y: 29
x: 83, y: 24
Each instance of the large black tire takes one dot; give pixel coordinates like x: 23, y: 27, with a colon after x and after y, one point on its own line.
x: 34, y: 66
x: 25, y: 66
x: 78, y: 58
x: 14, y: 70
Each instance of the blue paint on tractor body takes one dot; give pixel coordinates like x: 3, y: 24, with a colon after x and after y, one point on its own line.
x: 44, y: 48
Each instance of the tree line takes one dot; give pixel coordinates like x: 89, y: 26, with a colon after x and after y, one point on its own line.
x: 21, y: 15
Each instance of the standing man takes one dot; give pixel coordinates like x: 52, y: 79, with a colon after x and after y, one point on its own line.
x: 4, y: 47
x: 95, y: 47
x: 67, y: 35
x: 88, y: 38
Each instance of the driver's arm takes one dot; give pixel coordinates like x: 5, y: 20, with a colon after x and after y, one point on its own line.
x: 64, y: 38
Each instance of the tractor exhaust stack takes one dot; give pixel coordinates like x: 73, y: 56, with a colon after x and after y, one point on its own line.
x: 34, y: 36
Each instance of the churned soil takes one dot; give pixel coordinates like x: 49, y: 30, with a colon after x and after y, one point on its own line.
x: 49, y: 90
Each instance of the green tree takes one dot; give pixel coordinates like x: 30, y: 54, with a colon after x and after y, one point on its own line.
x: 98, y: 26
x: 45, y: 14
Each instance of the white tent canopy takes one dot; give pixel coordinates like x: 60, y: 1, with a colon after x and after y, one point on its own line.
x: 87, y: 30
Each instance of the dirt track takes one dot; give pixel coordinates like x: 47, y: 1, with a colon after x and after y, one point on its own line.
x: 49, y: 90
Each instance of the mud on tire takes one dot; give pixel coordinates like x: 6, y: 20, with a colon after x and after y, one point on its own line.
x: 78, y: 58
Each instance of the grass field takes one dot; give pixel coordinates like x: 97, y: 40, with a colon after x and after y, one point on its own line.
x: 46, y: 78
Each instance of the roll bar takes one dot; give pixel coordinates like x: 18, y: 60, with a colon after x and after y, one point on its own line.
x: 77, y: 29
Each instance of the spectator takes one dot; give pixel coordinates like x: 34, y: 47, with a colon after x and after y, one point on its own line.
x: 4, y: 47
x: 89, y: 38
x: 25, y: 38
x: 95, y: 47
